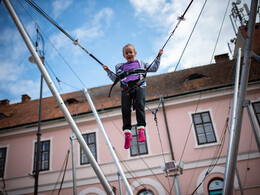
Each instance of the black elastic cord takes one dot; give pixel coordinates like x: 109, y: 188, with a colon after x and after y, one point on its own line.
x: 45, y: 15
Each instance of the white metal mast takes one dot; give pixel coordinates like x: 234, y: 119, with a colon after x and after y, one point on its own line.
x: 235, y: 133
x: 110, y: 147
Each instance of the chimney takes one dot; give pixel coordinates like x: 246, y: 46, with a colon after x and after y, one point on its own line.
x: 221, y: 58
x: 241, y: 37
x: 4, y: 102
x: 25, y: 98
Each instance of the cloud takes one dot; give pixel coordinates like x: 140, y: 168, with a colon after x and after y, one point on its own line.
x: 14, y: 64
x: 30, y: 87
x: 59, y: 6
x: 85, y: 33
x: 105, y: 14
x: 161, y: 16
x: 9, y: 71
x: 156, y: 13
x: 149, y: 7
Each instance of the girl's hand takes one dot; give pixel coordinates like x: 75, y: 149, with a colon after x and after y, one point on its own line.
x: 105, y: 67
x: 160, y: 52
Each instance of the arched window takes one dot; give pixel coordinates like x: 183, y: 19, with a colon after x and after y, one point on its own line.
x: 216, y: 186
x: 145, y: 192
x: 2, y: 115
x: 71, y: 101
x: 194, y: 76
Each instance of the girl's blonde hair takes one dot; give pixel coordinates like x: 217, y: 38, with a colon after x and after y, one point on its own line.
x: 128, y: 45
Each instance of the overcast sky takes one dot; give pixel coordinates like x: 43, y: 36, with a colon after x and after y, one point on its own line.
x: 103, y: 28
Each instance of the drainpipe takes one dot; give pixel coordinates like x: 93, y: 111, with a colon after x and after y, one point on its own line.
x: 176, y: 177
x: 167, y: 129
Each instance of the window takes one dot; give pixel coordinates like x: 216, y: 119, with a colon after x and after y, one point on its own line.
x: 194, y: 76
x: 2, y: 115
x: 90, y: 139
x: 215, y: 187
x: 145, y: 192
x: 71, y: 101
x: 2, y: 161
x: 203, y: 128
x: 44, y: 155
x: 137, y: 148
x: 256, y: 107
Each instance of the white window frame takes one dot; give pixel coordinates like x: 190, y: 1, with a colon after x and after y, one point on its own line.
x: 194, y: 130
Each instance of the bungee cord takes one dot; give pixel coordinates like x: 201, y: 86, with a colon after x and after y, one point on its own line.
x: 171, y: 78
x: 75, y: 41
x: 181, y: 18
x: 63, y: 168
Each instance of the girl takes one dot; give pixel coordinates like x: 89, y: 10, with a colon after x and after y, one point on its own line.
x: 137, y: 95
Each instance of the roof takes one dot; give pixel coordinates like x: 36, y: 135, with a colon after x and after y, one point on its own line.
x: 187, y: 81
x: 177, y: 83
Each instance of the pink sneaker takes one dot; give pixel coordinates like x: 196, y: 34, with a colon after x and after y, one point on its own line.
x: 141, y: 136
x: 128, y: 138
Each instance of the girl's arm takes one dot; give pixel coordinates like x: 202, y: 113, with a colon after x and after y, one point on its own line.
x: 155, y: 66
x: 110, y: 74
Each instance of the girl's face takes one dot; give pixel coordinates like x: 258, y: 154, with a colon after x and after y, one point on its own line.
x: 129, y: 53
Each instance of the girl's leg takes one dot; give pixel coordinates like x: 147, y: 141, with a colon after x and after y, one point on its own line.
x: 126, y: 110
x: 140, y: 113
x: 126, y: 115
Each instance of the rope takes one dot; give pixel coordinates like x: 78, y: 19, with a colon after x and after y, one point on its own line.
x: 219, y: 32
x: 45, y: 15
x: 75, y: 41
x: 183, y: 51
x: 67, y: 158
x: 130, y: 171
x: 171, y: 78
x: 247, y: 163
x: 181, y: 18
x: 186, y: 141
x: 64, y: 165
x: 159, y: 136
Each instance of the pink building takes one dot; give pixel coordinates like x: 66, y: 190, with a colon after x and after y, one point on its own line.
x: 192, y: 125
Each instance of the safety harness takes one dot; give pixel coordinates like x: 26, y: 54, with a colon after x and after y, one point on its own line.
x: 125, y: 87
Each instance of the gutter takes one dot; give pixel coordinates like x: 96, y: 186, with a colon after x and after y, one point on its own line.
x: 28, y: 125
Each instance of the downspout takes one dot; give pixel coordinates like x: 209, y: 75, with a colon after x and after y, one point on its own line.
x: 176, y: 182
x: 167, y: 129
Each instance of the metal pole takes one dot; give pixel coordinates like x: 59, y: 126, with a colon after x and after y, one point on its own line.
x: 235, y: 135
x: 176, y: 177
x: 120, y: 185
x: 36, y: 176
x: 59, y: 100
x: 177, y: 185
x: 254, y: 123
x: 234, y: 108
x: 110, y: 147
x: 239, y: 182
x: 167, y: 129
x: 72, y: 138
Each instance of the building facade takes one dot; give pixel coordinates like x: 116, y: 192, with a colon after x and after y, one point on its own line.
x: 189, y: 125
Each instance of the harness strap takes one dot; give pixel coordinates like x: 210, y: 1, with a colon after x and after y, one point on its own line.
x: 124, y: 74
x: 130, y: 90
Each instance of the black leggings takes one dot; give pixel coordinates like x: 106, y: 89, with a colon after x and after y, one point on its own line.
x: 126, y: 102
